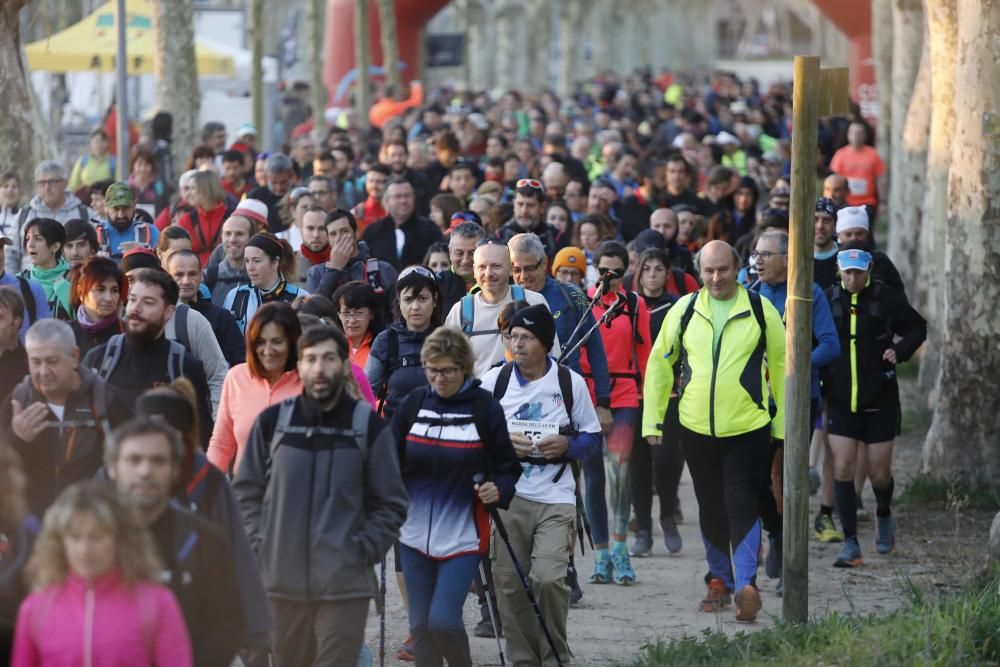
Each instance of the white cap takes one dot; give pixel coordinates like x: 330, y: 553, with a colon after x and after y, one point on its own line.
x: 726, y: 139
x: 852, y: 217
x: 253, y: 209
x: 246, y: 129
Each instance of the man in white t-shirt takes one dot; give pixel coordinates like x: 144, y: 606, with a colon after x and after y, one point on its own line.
x: 535, y: 393
x: 476, y: 315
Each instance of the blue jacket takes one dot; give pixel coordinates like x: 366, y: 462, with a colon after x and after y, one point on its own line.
x: 131, y: 235
x: 42, y: 309
x: 827, y: 343
x: 567, y: 316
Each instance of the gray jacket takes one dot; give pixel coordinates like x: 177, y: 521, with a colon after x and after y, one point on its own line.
x: 72, y: 208
x: 319, y: 512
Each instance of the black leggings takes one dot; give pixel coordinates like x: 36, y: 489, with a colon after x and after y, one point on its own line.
x: 663, y: 465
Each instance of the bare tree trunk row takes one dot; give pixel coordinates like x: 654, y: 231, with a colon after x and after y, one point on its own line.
x: 176, y: 71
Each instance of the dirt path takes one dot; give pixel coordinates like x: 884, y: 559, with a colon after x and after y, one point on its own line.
x: 611, y: 624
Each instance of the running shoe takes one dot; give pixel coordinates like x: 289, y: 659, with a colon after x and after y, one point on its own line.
x: 624, y: 574
x: 573, y: 581
x: 484, y: 628
x: 850, y: 554
x: 406, y: 652
x: 814, y: 481
x: 748, y: 604
x: 642, y: 545
x: 862, y: 514
x: 671, y: 536
x: 772, y: 564
x: 885, y: 534
x: 602, y: 568
x: 826, y: 529
x: 678, y: 514
x: 717, y: 597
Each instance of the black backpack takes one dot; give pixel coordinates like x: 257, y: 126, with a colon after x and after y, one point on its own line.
x: 393, y: 362
x: 113, y: 354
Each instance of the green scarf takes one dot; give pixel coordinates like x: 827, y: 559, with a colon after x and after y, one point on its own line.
x: 54, y: 282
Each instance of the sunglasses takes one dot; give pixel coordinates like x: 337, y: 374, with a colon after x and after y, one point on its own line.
x: 490, y: 241
x: 529, y: 183
x: 419, y: 270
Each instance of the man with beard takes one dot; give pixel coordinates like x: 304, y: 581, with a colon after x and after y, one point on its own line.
x: 142, y: 357
x: 320, y: 591
x: 315, y: 248
x: 529, y: 199
x: 123, y: 231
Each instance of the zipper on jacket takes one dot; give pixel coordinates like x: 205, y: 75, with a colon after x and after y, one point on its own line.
x: 854, y: 352
x: 716, y: 353
x: 88, y: 627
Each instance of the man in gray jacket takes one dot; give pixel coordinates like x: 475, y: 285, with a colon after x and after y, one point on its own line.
x: 322, y: 501
x: 52, y: 199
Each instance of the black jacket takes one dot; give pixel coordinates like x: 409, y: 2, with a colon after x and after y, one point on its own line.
x: 452, y: 287
x: 545, y: 232
x: 882, y: 314
x: 324, y: 280
x: 418, y: 233
x: 399, y: 370
x: 13, y: 368
x: 60, y: 457
x: 264, y: 194
x: 86, y: 340
x: 319, y: 512
x: 232, y: 342
x: 198, y: 568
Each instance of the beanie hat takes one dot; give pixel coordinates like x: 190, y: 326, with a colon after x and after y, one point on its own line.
x: 572, y: 257
x: 649, y: 238
x: 539, y: 321
x: 139, y: 258
x: 852, y: 217
x: 826, y: 205
x: 254, y: 209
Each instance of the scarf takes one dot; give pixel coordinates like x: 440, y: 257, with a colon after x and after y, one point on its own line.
x: 92, y: 327
x: 315, y: 258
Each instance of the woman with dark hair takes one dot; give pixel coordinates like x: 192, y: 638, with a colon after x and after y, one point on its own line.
x: 393, y: 367
x: 44, y: 239
x: 268, y: 260
x: 172, y: 238
x: 359, y: 317
x: 98, y: 292
x: 437, y: 258
x: 268, y: 377
x: 558, y: 215
x: 651, y: 276
x: 589, y: 233
x: 443, y: 206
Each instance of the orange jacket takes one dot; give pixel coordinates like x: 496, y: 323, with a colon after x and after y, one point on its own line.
x: 387, y: 108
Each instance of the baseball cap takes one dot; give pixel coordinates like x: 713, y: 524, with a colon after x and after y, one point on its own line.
x: 119, y: 194
x: 253, y: 209
x: 139, y: 258
x: 854, y: 259
x: 852, y: 217
x: 245, y: 130
x: 726, y: 139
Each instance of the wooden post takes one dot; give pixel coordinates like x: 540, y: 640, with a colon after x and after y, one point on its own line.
x: 317, y: 31
x: 390, y: 48
x: 362, y: 61
x: 257, y: 65
x: 798, y: 340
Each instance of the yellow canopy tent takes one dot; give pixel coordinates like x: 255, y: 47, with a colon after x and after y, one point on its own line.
x: 91, y: 45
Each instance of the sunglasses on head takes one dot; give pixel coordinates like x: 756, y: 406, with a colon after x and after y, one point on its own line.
x: 490, y: 241
x: 419, y: 270
x: 529, y: 183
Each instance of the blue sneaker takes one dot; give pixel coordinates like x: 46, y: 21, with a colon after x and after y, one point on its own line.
x: 624, y: 574
x: 671, y: 536
x: 850, y: 553
x: 602, y: 567
x: 885, y: 534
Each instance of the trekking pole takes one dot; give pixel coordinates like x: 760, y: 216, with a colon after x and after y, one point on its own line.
x: 489, y: 606
x: 381, y: 629
x: 616, y: 309
x: 579, y: 325
x: 479, y: 478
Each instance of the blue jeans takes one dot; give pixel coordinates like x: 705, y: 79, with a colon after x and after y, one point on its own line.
x: 437, y: 590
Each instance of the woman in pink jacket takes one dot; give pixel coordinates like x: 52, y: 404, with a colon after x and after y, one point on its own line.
x: 96, y: 603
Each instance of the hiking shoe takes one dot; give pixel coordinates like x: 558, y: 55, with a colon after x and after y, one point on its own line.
x: 748, y: 604
x: 850, y: 554
x: 573, y: 581
x: 772, y: 564
x: 885, y: 534
x: 642, y: 546
x: 484, y: 628
x: 602, y: 568
x: 406, y: 652
x: 717, y: 597
x: 814, y: 481
x: 671, y: 537
x: 624, y: 574
x: 678, y: 514
x: 862, y: 514
x: 826, y: 529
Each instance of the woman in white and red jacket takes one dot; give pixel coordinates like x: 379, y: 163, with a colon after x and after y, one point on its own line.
x: 448, y: 432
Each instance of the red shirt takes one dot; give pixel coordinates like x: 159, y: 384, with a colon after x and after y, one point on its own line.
x: 368, y: 212
x: 861, y: 167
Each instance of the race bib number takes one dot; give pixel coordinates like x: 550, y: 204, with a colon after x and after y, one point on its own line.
x: 534, y: 430
x: 857, y: 186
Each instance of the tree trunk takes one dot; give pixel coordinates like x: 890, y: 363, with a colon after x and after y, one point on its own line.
x: 257, y: 64
x: 363, y: 61
x: 571, y: 14
x: 907, y: 46
x: 177, y: 71
x: 390, y: 47
x: 882, y: 40
x: 26, y: 137
x: 962, y: 441
x: 317, y: 29
x: 538, y: 27
x: 506, y: 16
x: 907, y: 196
x: 942, y: 23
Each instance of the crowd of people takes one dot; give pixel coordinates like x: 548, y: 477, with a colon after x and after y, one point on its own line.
x: 479, y: 336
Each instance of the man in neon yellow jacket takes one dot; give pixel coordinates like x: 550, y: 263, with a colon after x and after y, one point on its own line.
x: 726, y: 343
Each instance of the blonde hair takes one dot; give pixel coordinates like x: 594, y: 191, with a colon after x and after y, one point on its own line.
x: 136, y: 557
x: 13, y: 506
x: 448, y: 343
x: 209, y: 189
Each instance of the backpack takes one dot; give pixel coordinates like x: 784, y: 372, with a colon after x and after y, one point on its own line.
x: 393, y: 362
x: 113, y: 353
x: 29, y: 299
x: 200, y: 491
x: 81, y: 210
x: 98, y: 407
x: 185, y: 539
x: 468, y: 311
x: 181, y: 326
x: 196, y: 227
x: 873, y: 305
x: 358, y: 431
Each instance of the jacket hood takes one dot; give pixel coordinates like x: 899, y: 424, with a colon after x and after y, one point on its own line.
x: 464, y: 395
x: 72, y: 202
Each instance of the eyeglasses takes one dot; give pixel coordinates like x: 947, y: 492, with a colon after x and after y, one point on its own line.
x: 51, y: 181
x: 519, y: 338
x: 518, y: 270
x: 354, y: 315
x: 298, y: 193
x: 529, y: 183
x: 419, y: 270
x: 764, y: 254
x: 447, y: 373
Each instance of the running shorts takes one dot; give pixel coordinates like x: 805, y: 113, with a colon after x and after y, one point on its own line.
x: 869, y: 426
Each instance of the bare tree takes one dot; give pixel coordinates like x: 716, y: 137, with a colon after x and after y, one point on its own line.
x: 363, y: 61
x: 962, y: 441
x: 390, y: 47
x: 26, y: 137
x: 907, y: 47
x: 317, y: 29
x: 507, y: 14
x: 882, y: 39
x: 572, y: 14
x: 176, y: 70
x: 257, y: 63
